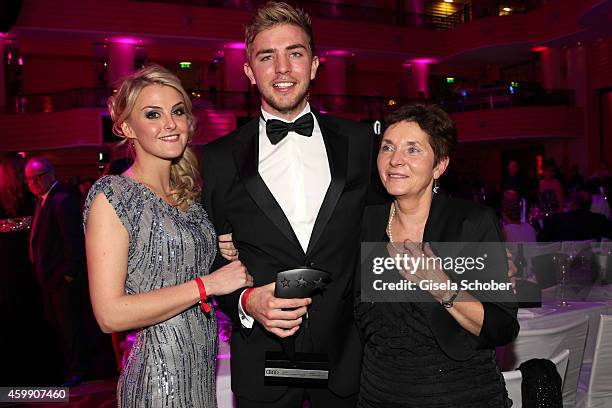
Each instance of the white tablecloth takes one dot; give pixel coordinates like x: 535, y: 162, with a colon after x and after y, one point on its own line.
x: 550, y: 315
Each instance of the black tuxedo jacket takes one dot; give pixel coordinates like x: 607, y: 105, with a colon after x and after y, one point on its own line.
x: 465, y: 223
x: 237, y: 200
x: 58, y: 242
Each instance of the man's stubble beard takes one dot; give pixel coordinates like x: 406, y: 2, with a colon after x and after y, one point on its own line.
x: 292, y: 107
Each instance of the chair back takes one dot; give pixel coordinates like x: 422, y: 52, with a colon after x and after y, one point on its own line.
x: 560, y: 361
x: 600, y: 384
x: 545, y: 343
x: 513, y: 381
x: 514, y: 378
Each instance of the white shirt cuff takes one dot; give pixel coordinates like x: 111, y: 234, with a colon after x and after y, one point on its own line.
x: 246, y: 320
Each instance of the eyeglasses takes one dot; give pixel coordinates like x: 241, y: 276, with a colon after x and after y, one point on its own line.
x: 37, y: 176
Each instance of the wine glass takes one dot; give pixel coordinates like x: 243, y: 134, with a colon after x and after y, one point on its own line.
x: 562, y: 262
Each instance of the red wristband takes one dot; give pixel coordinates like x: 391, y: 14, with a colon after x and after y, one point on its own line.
x: 203, y: 297
x: 245, y: 296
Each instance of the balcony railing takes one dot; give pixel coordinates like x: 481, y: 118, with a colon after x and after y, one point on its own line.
x: 367, y: 107
x: 373, y: 107
x: 435, y: 21
x: 61, y: 100
x: 508, y: 97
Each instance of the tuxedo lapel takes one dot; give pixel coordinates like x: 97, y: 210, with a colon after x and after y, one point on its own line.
x: 246, y: 156
x: 336, y: 145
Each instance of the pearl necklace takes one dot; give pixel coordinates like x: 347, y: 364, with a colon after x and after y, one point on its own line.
x: 390, y: 234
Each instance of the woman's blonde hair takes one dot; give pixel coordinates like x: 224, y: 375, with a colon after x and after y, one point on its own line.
x: 184, y: 175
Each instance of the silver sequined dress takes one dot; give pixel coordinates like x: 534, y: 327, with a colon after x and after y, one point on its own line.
x: 172, y: 364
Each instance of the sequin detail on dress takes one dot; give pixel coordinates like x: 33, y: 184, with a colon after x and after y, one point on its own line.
x: 172, y: 364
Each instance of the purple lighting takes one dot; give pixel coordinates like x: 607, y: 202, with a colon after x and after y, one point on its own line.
x: 235, y: 46
x: 425, y: 60
x: 338, y: 53
x: 125, y: 40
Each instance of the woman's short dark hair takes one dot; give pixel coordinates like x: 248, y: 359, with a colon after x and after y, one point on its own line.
x: 433, y: 120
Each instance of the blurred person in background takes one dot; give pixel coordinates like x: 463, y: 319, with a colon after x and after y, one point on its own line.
x: 515, y: 180
x: 57, y: 252
x: 599, y: 201
x: 578, y: 224
x: 576, y: 181
x: 15, y: 198
x: 550, y: 189
x: 514, y: 230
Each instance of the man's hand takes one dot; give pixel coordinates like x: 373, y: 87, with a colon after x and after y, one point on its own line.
x: 227, y: 248
x: 281, y: 317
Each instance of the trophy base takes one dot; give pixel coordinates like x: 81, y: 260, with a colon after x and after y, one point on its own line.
x: 308, y: 370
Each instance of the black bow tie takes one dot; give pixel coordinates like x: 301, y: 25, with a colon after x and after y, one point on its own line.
x: 277, y: 129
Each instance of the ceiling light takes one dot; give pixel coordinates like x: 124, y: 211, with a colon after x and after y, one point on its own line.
x: 448, y: 1
x: 507, y: 9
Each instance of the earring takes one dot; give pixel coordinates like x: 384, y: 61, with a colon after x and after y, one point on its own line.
x: 436, y: 186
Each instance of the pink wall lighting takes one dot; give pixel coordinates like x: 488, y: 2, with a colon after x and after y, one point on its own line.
x: 235, y: 45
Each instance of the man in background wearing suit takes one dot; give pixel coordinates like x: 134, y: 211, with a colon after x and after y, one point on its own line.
x: 57, y: 251
x: 290, y: 186
x: 578, y: 224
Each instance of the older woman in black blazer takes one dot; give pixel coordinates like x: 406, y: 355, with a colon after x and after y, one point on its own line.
x: 437, y: 352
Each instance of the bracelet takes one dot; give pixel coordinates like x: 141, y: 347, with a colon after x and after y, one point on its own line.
x: 203, y: 297
x: 448, y: 303
x: 245, y: 296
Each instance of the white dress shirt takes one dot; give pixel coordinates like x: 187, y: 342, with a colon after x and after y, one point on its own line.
x: 296, y: 171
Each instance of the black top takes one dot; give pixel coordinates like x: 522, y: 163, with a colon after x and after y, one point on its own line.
x: 416, y: 354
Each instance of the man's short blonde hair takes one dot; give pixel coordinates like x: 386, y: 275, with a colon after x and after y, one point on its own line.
x: 274, y: 13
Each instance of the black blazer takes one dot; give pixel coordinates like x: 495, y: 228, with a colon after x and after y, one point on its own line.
x: 461, y: 221
x: 58, y: 242
x: 237, y: 200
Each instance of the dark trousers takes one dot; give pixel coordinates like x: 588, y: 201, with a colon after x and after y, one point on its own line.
x: 295, y: 397
x: 63, y: 311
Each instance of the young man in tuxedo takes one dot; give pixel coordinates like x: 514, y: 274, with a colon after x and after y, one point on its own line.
x: 290, y: 186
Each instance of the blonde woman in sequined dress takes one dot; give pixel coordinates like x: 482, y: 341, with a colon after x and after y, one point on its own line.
x: 148, y: 241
